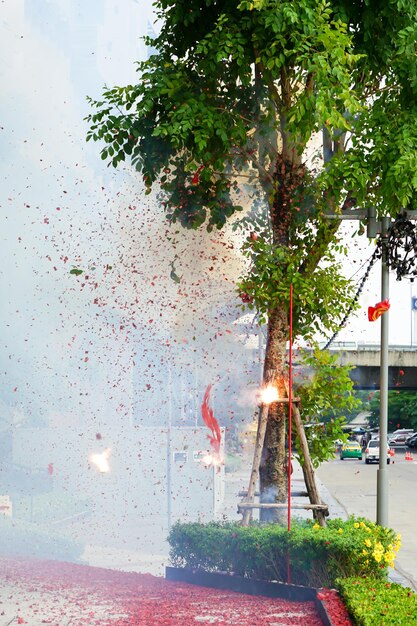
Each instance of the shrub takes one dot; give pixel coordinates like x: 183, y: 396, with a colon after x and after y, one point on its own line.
x: 373, y: 602
x: 26, y: 539
x: 318, y: 556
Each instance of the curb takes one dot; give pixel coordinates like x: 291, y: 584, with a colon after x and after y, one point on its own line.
x: 296, y: 593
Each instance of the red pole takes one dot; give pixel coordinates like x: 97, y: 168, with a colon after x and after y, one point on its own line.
x: 289, y: 417
x: 289, y: 466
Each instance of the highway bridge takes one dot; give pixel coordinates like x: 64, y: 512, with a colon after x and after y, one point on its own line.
x: 402, y: 364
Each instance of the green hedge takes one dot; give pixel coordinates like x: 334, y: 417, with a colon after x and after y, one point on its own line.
x: 374, y: 602
x: 26, y: 539
x: 318, y: 556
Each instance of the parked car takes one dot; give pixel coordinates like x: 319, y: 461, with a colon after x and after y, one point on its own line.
x: 411, y: 442
x: 351, y: 450
x: 400, y: 436
x: 372, y: 452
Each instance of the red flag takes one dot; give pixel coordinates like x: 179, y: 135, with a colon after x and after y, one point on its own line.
x: 50, y: 468
x: 376, y: 311
x: 211, y: 422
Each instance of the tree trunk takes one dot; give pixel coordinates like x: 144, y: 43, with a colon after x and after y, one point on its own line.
x: 289, y: 176
x: 269, y: 455
x: 273, y: 475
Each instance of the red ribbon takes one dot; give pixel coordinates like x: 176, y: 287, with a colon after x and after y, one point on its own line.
x: 211, y: 422
x: 374, y: 312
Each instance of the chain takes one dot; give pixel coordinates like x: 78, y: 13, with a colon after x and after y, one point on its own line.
x: 401, y: 257
x: 375, y: 255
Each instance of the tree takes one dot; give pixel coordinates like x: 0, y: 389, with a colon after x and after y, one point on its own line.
x: 235, y: 98
x: 325, y: 400
x: 402, y: 409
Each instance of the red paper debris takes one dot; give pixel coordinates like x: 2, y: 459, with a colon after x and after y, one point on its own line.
x: 211, y: 422
x: 374, y: 312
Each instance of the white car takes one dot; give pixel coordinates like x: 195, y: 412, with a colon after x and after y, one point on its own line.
x: 372, y: 452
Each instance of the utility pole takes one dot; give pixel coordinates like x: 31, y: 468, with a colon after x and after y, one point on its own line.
x: 382, y: 227
x: 382, y: 474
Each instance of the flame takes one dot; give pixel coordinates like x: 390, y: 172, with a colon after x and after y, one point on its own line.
x: 101, y: 461
x: 212, y: 459
x: 269, y: 394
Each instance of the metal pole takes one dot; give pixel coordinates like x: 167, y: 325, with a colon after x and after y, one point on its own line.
x: 289, y: 466
x: 168, y: 448
x: 289, y: 419
x: 382, y: 474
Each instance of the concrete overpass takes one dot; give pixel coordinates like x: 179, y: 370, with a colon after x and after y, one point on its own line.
x: 402, y: 364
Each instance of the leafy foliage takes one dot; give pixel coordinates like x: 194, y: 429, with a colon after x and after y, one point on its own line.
x: 317, y: 555
x: 326, y: 392
x: 308, y: 106
x: 374, y: 602
x: 230, y: 102
x: 402, y: 409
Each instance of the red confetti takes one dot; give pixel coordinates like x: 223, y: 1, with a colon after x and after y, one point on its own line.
x: 50, y: 592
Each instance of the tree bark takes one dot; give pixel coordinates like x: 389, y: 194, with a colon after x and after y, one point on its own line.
x: 273, y: 476
x: 269, y: 455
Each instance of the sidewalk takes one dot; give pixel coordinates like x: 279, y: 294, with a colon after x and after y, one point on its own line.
x: 64, y: 594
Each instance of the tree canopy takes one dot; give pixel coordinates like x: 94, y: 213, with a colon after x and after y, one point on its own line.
x: 305, y: 107
x: 232, y: 101
x: 402, y: 409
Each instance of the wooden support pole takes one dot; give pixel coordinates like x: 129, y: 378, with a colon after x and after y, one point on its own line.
x: 259, y: 444
x: 244, y: 506
x: 308, y: 470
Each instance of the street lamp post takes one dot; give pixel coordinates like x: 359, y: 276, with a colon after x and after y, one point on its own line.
x: 382, y: 474
x: 381, y: 227
x: 404, y: 267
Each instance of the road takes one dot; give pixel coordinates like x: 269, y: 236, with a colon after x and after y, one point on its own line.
x: 353, y: 485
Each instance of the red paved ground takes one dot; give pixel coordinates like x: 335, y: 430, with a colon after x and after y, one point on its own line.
x: 48, y: 592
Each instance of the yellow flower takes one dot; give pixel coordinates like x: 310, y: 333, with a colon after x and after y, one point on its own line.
x: 356, y: 525
x: 377, y: 557
x: 389, y: 557
x: 362, y: 525
x: 368, y: 542
x: 340, y: 530
x: 364, y: 551
x: 316, y: 526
